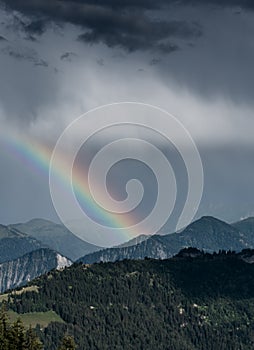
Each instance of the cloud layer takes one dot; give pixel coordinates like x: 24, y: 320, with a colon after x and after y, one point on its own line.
x: 194, y: 59
x: 129, y: 26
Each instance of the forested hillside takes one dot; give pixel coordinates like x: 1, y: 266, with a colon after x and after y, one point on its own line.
x: 193, y: 301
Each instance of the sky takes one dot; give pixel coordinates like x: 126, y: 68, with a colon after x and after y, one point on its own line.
x: 61, y: 59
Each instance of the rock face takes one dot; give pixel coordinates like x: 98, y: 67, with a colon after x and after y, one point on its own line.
x: 17, y: 272
x: 56, y: 237
x: 208, y: 234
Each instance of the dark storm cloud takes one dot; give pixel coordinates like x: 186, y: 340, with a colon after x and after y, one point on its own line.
x: 136, y: 33
x: 248, y: 4
x: 35, y: 27
x: 127, y: 25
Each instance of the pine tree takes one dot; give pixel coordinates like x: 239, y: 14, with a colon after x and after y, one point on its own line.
x: 3, y: 329
x: 32, y: 342
x: 68, y: 343
x: 17, y: 336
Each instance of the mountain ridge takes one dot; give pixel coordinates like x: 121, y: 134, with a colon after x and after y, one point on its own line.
x: 56, y: 237
x: 14, y: 244
x: 207, y: 233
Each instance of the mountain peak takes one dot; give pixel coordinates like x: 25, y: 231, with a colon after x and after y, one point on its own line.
x: 207, y: 223
x: 209, y: 218
x: 40, y: 222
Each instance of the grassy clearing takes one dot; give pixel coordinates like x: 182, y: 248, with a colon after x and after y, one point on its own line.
x: 4, y: 297
x: 34, y: 318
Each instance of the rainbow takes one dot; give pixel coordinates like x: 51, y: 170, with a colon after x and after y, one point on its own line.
x: 37, y: 157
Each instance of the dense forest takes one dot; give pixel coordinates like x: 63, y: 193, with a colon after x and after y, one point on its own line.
x: 192, y: 301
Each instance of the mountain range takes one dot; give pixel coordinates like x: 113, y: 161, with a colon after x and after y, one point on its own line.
x: 24, y: 248
x: 208, y: 234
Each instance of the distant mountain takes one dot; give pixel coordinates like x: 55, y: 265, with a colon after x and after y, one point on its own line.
x: 14, y: 244
x: 246, y: 226
x: 194, y: 301
x: 212, y: 235
x: 134, y: 241
x: 208, y: 233
x: 57, y: 237
x: 17, y: 272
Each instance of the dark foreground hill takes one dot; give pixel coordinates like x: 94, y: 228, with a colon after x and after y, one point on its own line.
x: 191, y: 302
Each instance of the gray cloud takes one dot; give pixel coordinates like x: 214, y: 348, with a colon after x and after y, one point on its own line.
x: 24, y: 54
x: 220, y: 63
x: 27, y: 84
x: 154, y: 61
x: 100, y: 61
x: 68, y: 56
